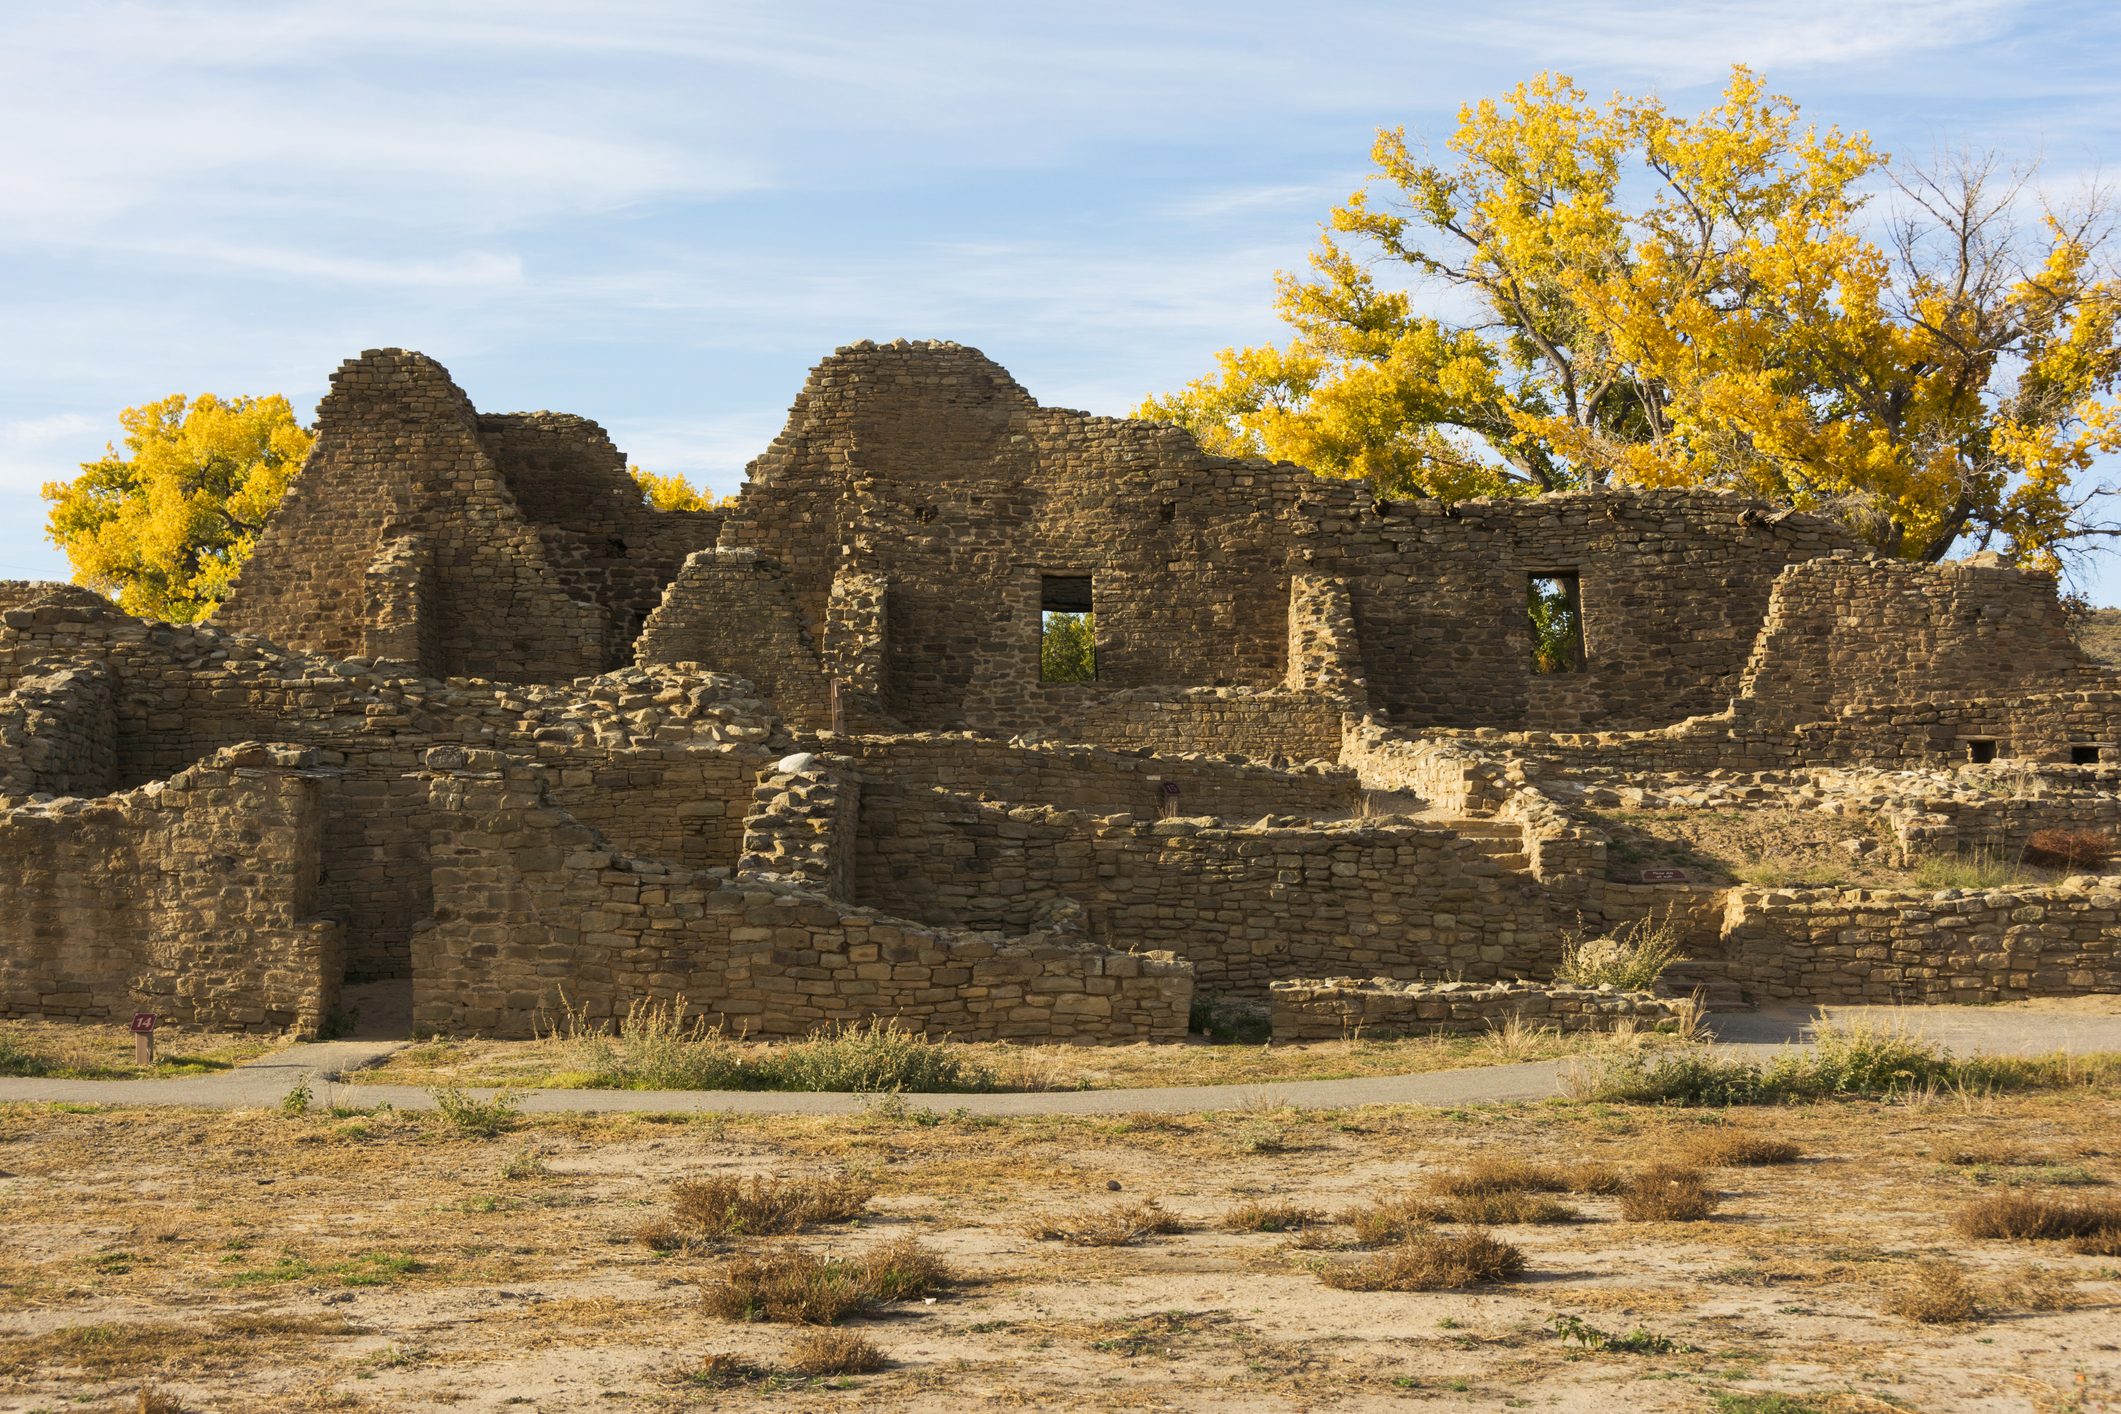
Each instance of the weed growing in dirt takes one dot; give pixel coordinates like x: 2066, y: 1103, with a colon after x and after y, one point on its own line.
x: 1121, y: 1225
x: 727, y: 1206
x: 526, y: 1162
x: 1269, y: 1217
x: 1936, y: 1292
x: 18, y: 1059
x: 1638, y: 1341
x: 2089, y: 1227
x: 2086, y: 851
x: 833, y: 1352
x: 1633, y: 959
x: 473, y: 1117
x: 1667, y: 1193
x: 800, y: 1288
x: 1429, y: 1261
x: 1737, y: 1148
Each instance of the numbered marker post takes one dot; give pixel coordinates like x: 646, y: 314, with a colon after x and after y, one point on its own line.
x: 144, y: 1037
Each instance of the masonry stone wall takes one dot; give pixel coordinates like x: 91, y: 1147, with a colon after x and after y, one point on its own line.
x: 414, y: 523
x: 1863, y: 946
x: 194, y: 898
x: 1103, y: 781
x: 58, y: 733
x: 1343, y: 1008
x: 667, y: 765
x: 531, y: 905
x: 1247, y: 906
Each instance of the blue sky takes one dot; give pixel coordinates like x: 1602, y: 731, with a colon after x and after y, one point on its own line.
x: 660, y: 215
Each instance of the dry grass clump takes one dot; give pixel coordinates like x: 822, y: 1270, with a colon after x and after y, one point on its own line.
x: 1269, y: 1217
x: 154, y: 1401
x: 1486, y: 1208
x: 1121, y: 1225
x: 1937, y: 1292
x: 833, y: 1352
x: 1667, y: 1193
x: 1737, y: 1148
x: 799, y: 1288
x: 1390, y: 1217
x: 1485, y: 1175
x: 2084, y: 850
x: 2089, y: 1227
x: 725, y: 1370
x: 727, y: 1206
x: 1429, y: 1261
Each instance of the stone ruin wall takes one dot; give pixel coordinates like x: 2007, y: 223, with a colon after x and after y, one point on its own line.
x: 894, y: 539
x: 412, y: 534
x: 1350, y: 1008
x: 667, y: 769
x: 194, y: 897
x: 546, y: 909
x: 1246, y: 905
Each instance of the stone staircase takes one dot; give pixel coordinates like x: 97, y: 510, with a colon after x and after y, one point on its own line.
x: 1500, y: 840
x: 1711, y: 980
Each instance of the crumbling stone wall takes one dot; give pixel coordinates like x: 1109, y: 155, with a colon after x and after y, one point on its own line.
x: 58, y: 734
x: 1103, y: 781
x: 1866, y: 946
x: 1246, y: 906
x: 530, y: 904
x: 732, y: 611
x: 667, y: 765
x: 1340, y: 1008
x: 1673, y: 586
x: 414, y: 527
x: 194, y: 898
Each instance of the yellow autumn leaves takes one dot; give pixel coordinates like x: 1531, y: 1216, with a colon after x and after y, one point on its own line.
x: 164, y: 528
x: 1653, y: 299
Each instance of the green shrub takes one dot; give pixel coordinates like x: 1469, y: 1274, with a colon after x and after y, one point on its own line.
x: 469, y: 1115
x: 1633, y: 959
x: 880, y: 1056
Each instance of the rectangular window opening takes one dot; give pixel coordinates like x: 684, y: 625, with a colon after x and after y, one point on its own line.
x: 1980, y: 750
x: 1067, y: 629
x: 2084, y: 756
x: 1555, y: 607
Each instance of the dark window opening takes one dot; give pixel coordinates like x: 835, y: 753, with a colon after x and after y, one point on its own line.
x: 1980, y: 750
x: 2084, y: 756
x: 1555, y: 607
x: 1067, y: 629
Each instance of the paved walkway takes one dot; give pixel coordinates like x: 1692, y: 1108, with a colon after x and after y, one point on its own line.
x: 262, y: 1083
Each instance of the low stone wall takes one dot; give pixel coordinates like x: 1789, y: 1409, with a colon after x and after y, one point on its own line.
x: 1333, y: 1008
x: 193, y: 898
x: 532, y: 906
x: 1246, y: 905
x: 1100, y: 780
x: 1857, y: 945
x: 1259, y: 724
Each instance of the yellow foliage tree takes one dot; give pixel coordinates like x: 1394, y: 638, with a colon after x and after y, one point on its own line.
x: 164, y: 527
x: 672, y: 492
x: 1662, y: 300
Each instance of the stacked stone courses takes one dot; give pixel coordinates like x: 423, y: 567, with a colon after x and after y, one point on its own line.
x: 479, y: 723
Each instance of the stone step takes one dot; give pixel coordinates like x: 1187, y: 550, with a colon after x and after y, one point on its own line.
x: 1707, y: 980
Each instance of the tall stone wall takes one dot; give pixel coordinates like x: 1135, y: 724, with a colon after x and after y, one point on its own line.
x: 532, y: 907
x: 195, y: 898
x: 415, y: 525
x: 1846, y: 632
x: 1673, y: 588
x: 733, y: 611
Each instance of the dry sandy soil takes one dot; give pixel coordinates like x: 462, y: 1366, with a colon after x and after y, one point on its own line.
x: 261, y: 1261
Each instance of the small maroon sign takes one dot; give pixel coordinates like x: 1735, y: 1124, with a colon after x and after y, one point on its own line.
x: 1664, y: 876
x: 143, y: 1023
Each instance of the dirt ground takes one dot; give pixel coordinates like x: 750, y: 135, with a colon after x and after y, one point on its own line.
x: 1770, y: 845
x: 350, y: 1261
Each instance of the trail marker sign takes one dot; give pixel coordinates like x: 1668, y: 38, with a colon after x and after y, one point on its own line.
x: 143, y: 1029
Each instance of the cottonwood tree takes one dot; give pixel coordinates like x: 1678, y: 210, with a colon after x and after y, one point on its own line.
x: 1647, y: 298
x: 163, y: 527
